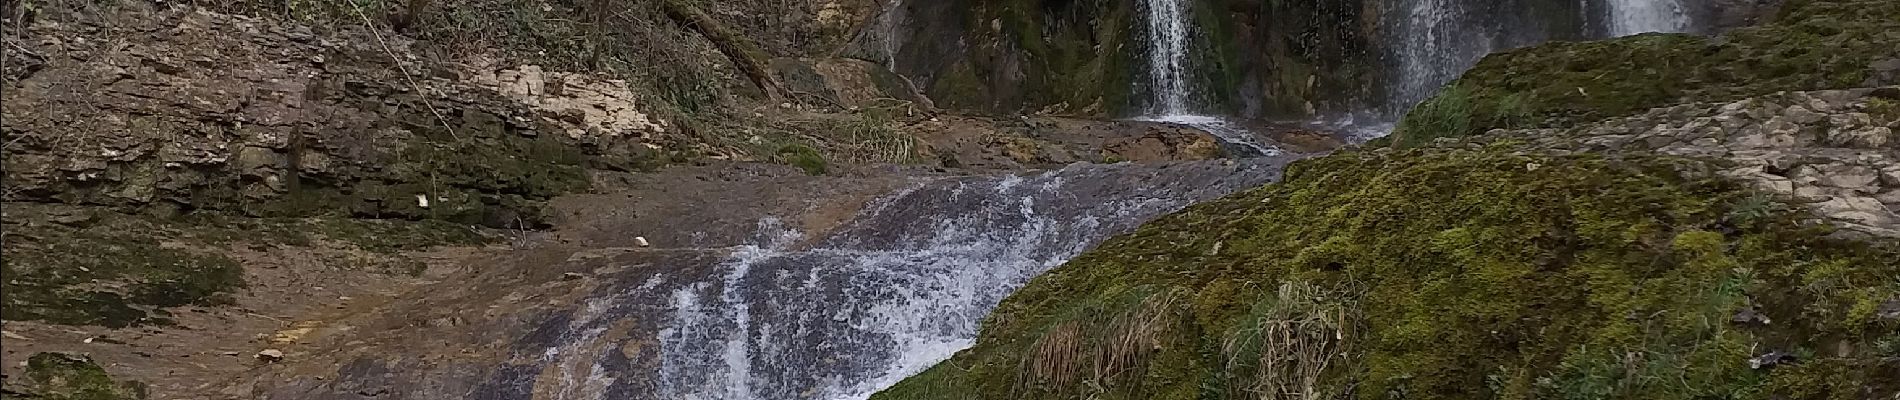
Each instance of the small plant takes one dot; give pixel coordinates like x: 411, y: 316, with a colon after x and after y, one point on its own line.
x: 804, y: 157
x: 1883, y: 109
x: 1450, y: 114
x: 1517, y: 110
x: 1292, y: 343
x: 1889, y: 346
x: 1752, y: 209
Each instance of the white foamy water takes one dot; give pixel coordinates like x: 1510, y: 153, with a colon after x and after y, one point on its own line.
x: 900, y: 287
x: 889, y: 23
x: 1225, y: 130
x: 1435, y: 41
x: 1630, y: 17
x: 1169, y: 36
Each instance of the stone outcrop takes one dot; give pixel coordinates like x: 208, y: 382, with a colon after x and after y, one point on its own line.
x: 186, y: 110
x: 1833, y: 150
x: 594, y: 107
x: 1165, y: 145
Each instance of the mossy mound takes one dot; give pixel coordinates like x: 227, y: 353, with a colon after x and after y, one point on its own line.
x: 1453, y: 274
x: 59, y: 376
x: 88, y: 266
x: 1816, y: 44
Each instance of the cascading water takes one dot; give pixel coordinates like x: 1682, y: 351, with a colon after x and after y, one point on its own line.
x: 1169, y: 36
x: 1435, y: 41
x: 898, y: 288
x: 1630, y: 17
x: 888, y: 23
x: 1432, y: 42
x: 1167, y: 64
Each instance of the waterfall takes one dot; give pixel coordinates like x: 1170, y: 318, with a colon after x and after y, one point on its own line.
x: 844, y: 313
x: 1435, y: 40
x: 1431, y: 42
x: 1169, y: 35
x: 1630, y: 17
x: 888, y: 23
x: 1168, y: 39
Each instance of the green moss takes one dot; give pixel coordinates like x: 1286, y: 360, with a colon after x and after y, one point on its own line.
x: 70, y: 278
x: 804, y: 157
x: 1884, y: 109
x: 119, y: 270
x: 1818, y: 44
x: 58, y: 376
x: 1470, y: 274
x: 487, y: 175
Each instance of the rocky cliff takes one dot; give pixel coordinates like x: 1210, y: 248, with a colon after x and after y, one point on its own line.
x: 206, y: 112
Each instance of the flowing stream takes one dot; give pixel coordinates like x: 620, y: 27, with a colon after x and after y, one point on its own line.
x: 1434, y: 41
x: 905, y: 283
x: 1168, y: 40
x: 844, y: 313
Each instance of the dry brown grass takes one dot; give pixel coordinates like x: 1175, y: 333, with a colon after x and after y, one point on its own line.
x: 1055, y: 360
x: 1135, y: 336
x: 1098, y: 352
x: 1294, y: 341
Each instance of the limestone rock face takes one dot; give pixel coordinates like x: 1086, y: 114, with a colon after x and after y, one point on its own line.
x: 595, y: 108
x: 226, y: 112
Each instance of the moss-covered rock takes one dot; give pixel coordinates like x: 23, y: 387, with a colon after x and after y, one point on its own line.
x: 60, y: 376
x: 1452, y: 274
x: 90, y: 266
x: 1815, y: 44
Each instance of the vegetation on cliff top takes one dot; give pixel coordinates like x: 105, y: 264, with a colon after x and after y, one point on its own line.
x: 1815, y: 44
x: 1453, y: 274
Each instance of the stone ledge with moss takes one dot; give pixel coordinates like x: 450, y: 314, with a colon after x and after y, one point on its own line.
x: 1487, y: 273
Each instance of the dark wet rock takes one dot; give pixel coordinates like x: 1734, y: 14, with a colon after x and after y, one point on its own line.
x: 1771, y: 360
x: 1889, y: 309
x: 1750, y: 315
